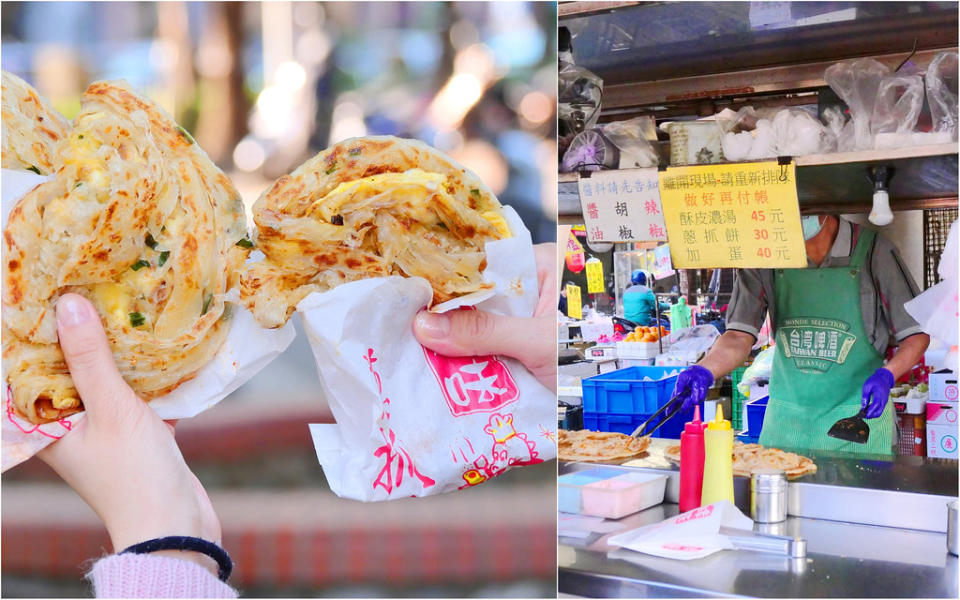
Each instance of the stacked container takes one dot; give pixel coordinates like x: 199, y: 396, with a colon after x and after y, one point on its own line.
x: 621, y: 400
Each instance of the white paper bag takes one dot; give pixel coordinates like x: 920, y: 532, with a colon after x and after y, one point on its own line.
x: 247, y: 349
x: 411, y: 422
x: 693, y: 534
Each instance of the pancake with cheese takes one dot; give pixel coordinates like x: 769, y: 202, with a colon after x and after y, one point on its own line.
x: 370, y: 207
x: 31, y: 128
x: 142, y: 223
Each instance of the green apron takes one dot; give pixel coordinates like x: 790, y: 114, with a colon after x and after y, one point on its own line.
x: 823, y: 356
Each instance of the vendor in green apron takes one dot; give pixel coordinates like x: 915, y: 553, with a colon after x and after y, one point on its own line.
x: 832, y: 324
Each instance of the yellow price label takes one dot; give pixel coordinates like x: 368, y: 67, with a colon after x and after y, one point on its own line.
x: 574, y: 307
x: 742, y: 215
x: 595, y: 276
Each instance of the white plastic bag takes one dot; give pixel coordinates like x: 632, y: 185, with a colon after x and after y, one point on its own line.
x: 941, y: 86
x: 799, y: 133
x: 896, y: 110
x: 856, y: 82
x: 410, y: 422
x: 636, y: 151
x: 690, y: 535
x: 936, y: 308
x: 761, y: 368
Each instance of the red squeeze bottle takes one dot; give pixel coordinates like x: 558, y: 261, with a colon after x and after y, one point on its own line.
x: 691, y: 463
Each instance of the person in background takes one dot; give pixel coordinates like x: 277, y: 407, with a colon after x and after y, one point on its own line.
x: 832, y: 322
x: 562, y: 305
x: 639, y: 301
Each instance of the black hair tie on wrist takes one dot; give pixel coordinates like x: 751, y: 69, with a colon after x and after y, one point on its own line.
x: 190, y: 544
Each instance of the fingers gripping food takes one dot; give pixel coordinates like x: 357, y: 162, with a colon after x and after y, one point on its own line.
x: 32, y: 129
x: 370, y: 207
x: 141, y: 222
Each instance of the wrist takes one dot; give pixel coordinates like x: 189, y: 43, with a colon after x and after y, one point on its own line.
x: 189, y: 555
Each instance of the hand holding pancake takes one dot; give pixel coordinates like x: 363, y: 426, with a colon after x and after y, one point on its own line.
x: 121, y: 458
x: 475, y: 332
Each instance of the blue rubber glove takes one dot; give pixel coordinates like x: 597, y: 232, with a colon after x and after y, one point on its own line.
x: 692, y: 386
x: 877, y: 386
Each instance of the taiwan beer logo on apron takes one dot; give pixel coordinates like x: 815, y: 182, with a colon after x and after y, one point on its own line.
x: 815, y: 345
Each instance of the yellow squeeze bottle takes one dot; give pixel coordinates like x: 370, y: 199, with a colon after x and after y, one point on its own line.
x: 718, y: 461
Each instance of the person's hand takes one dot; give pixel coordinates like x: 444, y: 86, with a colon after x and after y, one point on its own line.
x: 121, y: 458
x: 532, y: 341
x: 876, y: 393
x: 692, y: 386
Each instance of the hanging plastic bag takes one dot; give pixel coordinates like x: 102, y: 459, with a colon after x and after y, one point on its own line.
x: 590, y: 150
x: 761, y: 368
x: 896, y: 110
x: 579, y: 97
x: 636, y: 150
x: 941, y: 84
x: 798, y: 133
x: 856, y: 82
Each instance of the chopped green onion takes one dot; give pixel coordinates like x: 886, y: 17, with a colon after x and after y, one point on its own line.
x: 331, y: 169
x: 206, y: 305
x: 79, y: 183
x: 34, y: 169
x: 185, y: 134
x: 136, y: 319
x: 475, y: 193
x: 355, y: 151
x: 139, y: 265
x: 163, y: 258
x: 244, y: 243
x: 152, y: 243
x: 80, y: 137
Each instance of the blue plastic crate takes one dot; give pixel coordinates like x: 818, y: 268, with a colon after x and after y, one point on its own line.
x: 628, y: 423
x: 623, y: 392
x: 755, y: 413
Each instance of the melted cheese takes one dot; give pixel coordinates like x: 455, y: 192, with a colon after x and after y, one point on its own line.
x: 498, y: 222
x: 114, y: 301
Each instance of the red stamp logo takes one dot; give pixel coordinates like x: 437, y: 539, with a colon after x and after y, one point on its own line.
x: 473, y: 384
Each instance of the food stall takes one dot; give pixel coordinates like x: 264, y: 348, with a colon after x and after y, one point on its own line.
x: 686, y: 83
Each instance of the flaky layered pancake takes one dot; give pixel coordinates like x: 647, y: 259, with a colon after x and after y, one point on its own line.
x: 31, y: 128
x: 141, y: 222
x: 370, y: 207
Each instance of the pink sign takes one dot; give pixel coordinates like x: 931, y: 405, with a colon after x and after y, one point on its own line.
x: 472, y: 384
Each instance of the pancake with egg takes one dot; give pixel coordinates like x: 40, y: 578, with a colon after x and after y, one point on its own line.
x: 31, y: 128
x: 370, y: 207
x: 142, y: 223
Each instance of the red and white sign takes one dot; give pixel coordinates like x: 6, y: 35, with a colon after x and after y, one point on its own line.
x: 473, y: 384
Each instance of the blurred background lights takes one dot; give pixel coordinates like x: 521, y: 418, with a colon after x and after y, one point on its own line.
x: 537, y: 107
x: 249, y: 155
x: 290, y: 76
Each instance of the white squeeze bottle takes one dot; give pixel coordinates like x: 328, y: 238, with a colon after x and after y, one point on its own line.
x: 718, y: 461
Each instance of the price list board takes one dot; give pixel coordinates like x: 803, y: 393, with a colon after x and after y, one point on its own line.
x: 743, y: 215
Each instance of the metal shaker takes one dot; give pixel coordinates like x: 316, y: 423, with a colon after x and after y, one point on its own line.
x: 768, y: 496
x: 953, y: 532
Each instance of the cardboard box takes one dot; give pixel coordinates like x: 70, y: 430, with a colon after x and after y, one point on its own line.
x: 942, y: 441
x: 942, y: 413
x: 943, y: 387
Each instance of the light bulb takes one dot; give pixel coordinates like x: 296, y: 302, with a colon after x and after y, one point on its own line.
x: 880, y: 214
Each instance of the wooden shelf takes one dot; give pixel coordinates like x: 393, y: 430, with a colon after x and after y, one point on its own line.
x: 839, y: 183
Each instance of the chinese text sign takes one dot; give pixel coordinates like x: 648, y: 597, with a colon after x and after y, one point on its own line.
x: 594, y: 276
x: 737, y: 215
x: 574, y: 306
x: 622, y: 206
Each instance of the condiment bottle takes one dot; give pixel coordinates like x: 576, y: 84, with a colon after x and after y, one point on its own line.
x: 718, y: 461
x: 691, y: 463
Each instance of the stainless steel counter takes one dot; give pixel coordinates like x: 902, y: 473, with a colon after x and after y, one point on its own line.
x: 843, y: 560
x: 848, y: 554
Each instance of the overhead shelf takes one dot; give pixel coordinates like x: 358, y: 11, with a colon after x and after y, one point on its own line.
x: 838, y: 183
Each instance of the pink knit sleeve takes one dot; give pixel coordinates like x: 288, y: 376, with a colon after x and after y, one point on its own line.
x: 151, y: 576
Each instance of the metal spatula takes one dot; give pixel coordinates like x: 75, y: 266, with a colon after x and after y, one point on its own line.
x: 851, y: 429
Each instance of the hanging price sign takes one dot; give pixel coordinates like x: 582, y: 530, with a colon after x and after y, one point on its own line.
x: 595, y: 276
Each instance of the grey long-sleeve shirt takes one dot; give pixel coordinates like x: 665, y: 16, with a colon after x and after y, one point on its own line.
x: 885, y: 286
